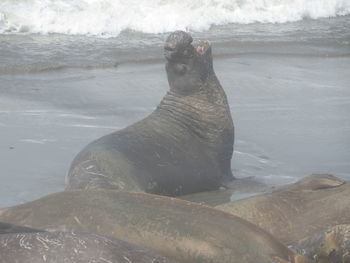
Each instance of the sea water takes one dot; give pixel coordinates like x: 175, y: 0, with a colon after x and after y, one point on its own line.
x: 72, y: 71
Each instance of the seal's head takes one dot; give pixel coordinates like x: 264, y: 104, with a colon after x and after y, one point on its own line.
x: 188, y: 66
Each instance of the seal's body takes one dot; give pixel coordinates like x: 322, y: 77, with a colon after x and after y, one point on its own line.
x: 181, y: 230
x: 70, y: 247
x: 297, y: 211
x: 184, y: 146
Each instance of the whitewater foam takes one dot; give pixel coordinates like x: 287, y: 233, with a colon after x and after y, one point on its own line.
x: 110, y: 17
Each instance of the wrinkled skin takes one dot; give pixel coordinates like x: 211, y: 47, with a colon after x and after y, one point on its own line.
x: 69, y: 247
x: 329, y: 246
x: 294, y: 212
x: 181, y: 230
x: 184, y: 146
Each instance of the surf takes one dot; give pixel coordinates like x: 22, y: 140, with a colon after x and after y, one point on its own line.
x: 108, y: 18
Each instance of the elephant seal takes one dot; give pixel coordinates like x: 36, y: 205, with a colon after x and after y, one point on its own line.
x: 184, y: 146
x: 329, y: 246
x: 181, y: 230
x: 296, y: 211
x: 54, y: 247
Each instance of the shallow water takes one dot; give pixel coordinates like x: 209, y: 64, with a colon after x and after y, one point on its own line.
x: 287, y: 85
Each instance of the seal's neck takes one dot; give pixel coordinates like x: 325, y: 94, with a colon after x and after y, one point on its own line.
x: 196, y: 113
x: 208, y: 122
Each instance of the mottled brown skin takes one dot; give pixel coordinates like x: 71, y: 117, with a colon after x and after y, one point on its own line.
x: 177, y: 229
x: 70, y: 247
x: 328, y: 246
x: 184, y: 146
x: 296, y: 211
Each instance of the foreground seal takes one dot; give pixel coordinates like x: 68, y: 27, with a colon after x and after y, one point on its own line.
x: 297, y: 211
x: 46, y: 247
x: 181, y: 230
x: 329, y: 246
x: 184, y: 146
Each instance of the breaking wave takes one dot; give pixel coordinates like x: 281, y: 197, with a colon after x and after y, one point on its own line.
x: 110, y: 17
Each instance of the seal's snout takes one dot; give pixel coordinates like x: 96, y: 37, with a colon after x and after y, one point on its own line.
x: 202, y: 46
x: 178, y: 48
x: 178, y: 45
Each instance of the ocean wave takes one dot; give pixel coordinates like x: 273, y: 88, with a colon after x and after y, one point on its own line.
x: 110, y: 17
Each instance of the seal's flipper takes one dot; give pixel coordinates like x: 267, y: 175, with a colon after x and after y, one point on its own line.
x: 319, y: 181
x: 6, y: 228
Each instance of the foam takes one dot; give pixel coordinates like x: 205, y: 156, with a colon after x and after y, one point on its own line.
x: 110, y: 17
